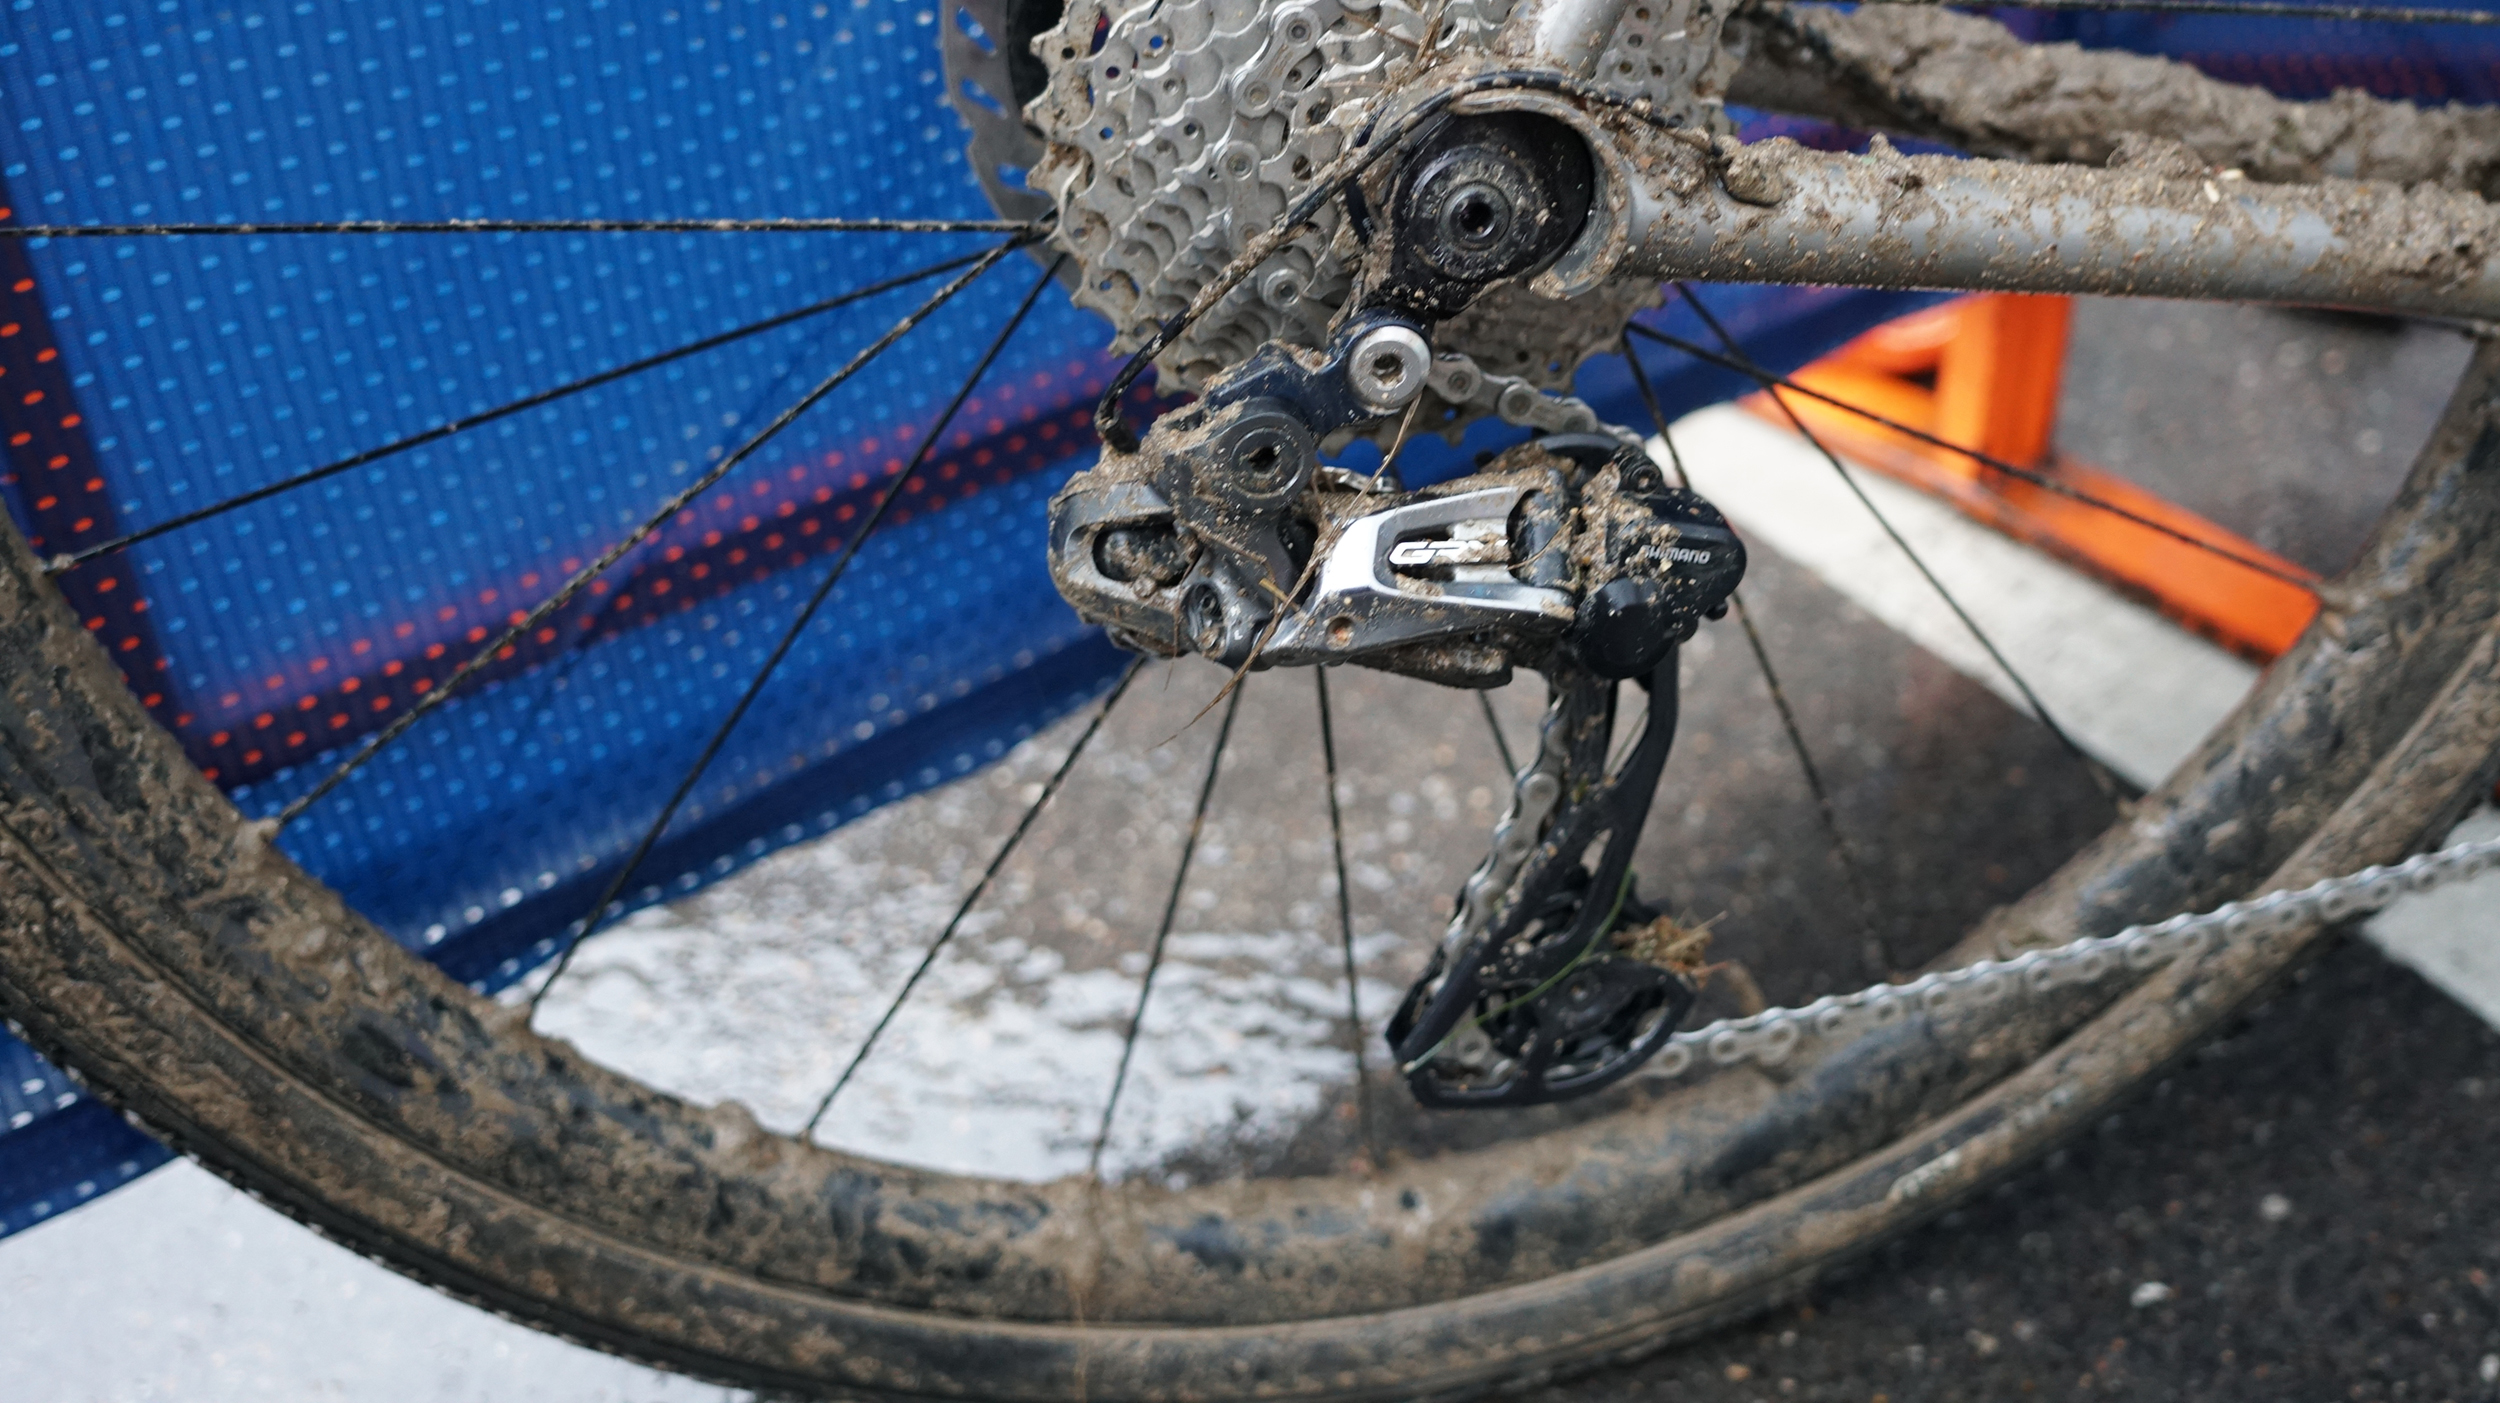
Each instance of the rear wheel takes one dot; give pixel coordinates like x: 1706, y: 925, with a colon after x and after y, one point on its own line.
x: 160, y: 943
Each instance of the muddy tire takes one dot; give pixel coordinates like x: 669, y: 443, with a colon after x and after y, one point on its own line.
x: 157, y: 944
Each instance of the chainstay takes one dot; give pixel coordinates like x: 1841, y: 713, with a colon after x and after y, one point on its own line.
x: 1772, y: 1036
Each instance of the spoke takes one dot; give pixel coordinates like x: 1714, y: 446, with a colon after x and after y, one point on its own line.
x: 2276, y: 9
x: 1877, y: 953
x: 529, y: 226
x: 581, y: 578
x: 998, y: 860
x: 1163, y: 930
x: 2039, y: 709
x: 440, y: 432
x: 1776, y: 383
x: 789, y: 639
x: 1657, y: 414
x: 1501, y: 743
x: 1345, y: 923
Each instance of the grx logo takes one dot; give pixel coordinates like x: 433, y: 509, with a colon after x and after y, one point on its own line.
x: 1447, y: 553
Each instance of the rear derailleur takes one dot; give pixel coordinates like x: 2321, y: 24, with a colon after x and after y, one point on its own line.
x: 1224, y: 534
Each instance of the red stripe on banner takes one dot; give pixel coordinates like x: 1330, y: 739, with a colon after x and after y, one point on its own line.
x: 761, y: 521
x: 56, y: 487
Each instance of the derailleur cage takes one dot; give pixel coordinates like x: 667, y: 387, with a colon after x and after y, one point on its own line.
x: 1533, y: 1002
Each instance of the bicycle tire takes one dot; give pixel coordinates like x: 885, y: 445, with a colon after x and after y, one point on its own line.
x: 200, y: 981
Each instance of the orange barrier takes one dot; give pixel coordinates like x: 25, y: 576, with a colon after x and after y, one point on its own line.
x: 1982, y: 373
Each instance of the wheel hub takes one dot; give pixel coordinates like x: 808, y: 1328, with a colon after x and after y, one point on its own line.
x: 1165, y: 138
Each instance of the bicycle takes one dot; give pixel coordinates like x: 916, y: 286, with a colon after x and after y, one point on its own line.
x: 1446, y: 211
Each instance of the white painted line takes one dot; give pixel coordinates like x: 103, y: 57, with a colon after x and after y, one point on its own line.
x: 2133, y: 689
x: 2451, y: 937
x: 181, y: 1287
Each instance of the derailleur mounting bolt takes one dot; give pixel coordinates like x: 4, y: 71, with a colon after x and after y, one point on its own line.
x: 1388, y: 366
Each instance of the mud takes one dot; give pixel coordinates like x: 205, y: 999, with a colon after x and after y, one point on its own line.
x: 2143, y: 230
x: 501, y: 1166
x: 1965, y: 81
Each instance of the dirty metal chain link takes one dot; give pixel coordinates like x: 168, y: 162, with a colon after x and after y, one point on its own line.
x: 1535, y: 790
x: 1772, y: 1036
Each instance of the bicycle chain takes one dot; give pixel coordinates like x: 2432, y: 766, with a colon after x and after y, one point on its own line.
x: 1772, y: 1036
x: 1535, y: 790
x: 1458, y: 380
